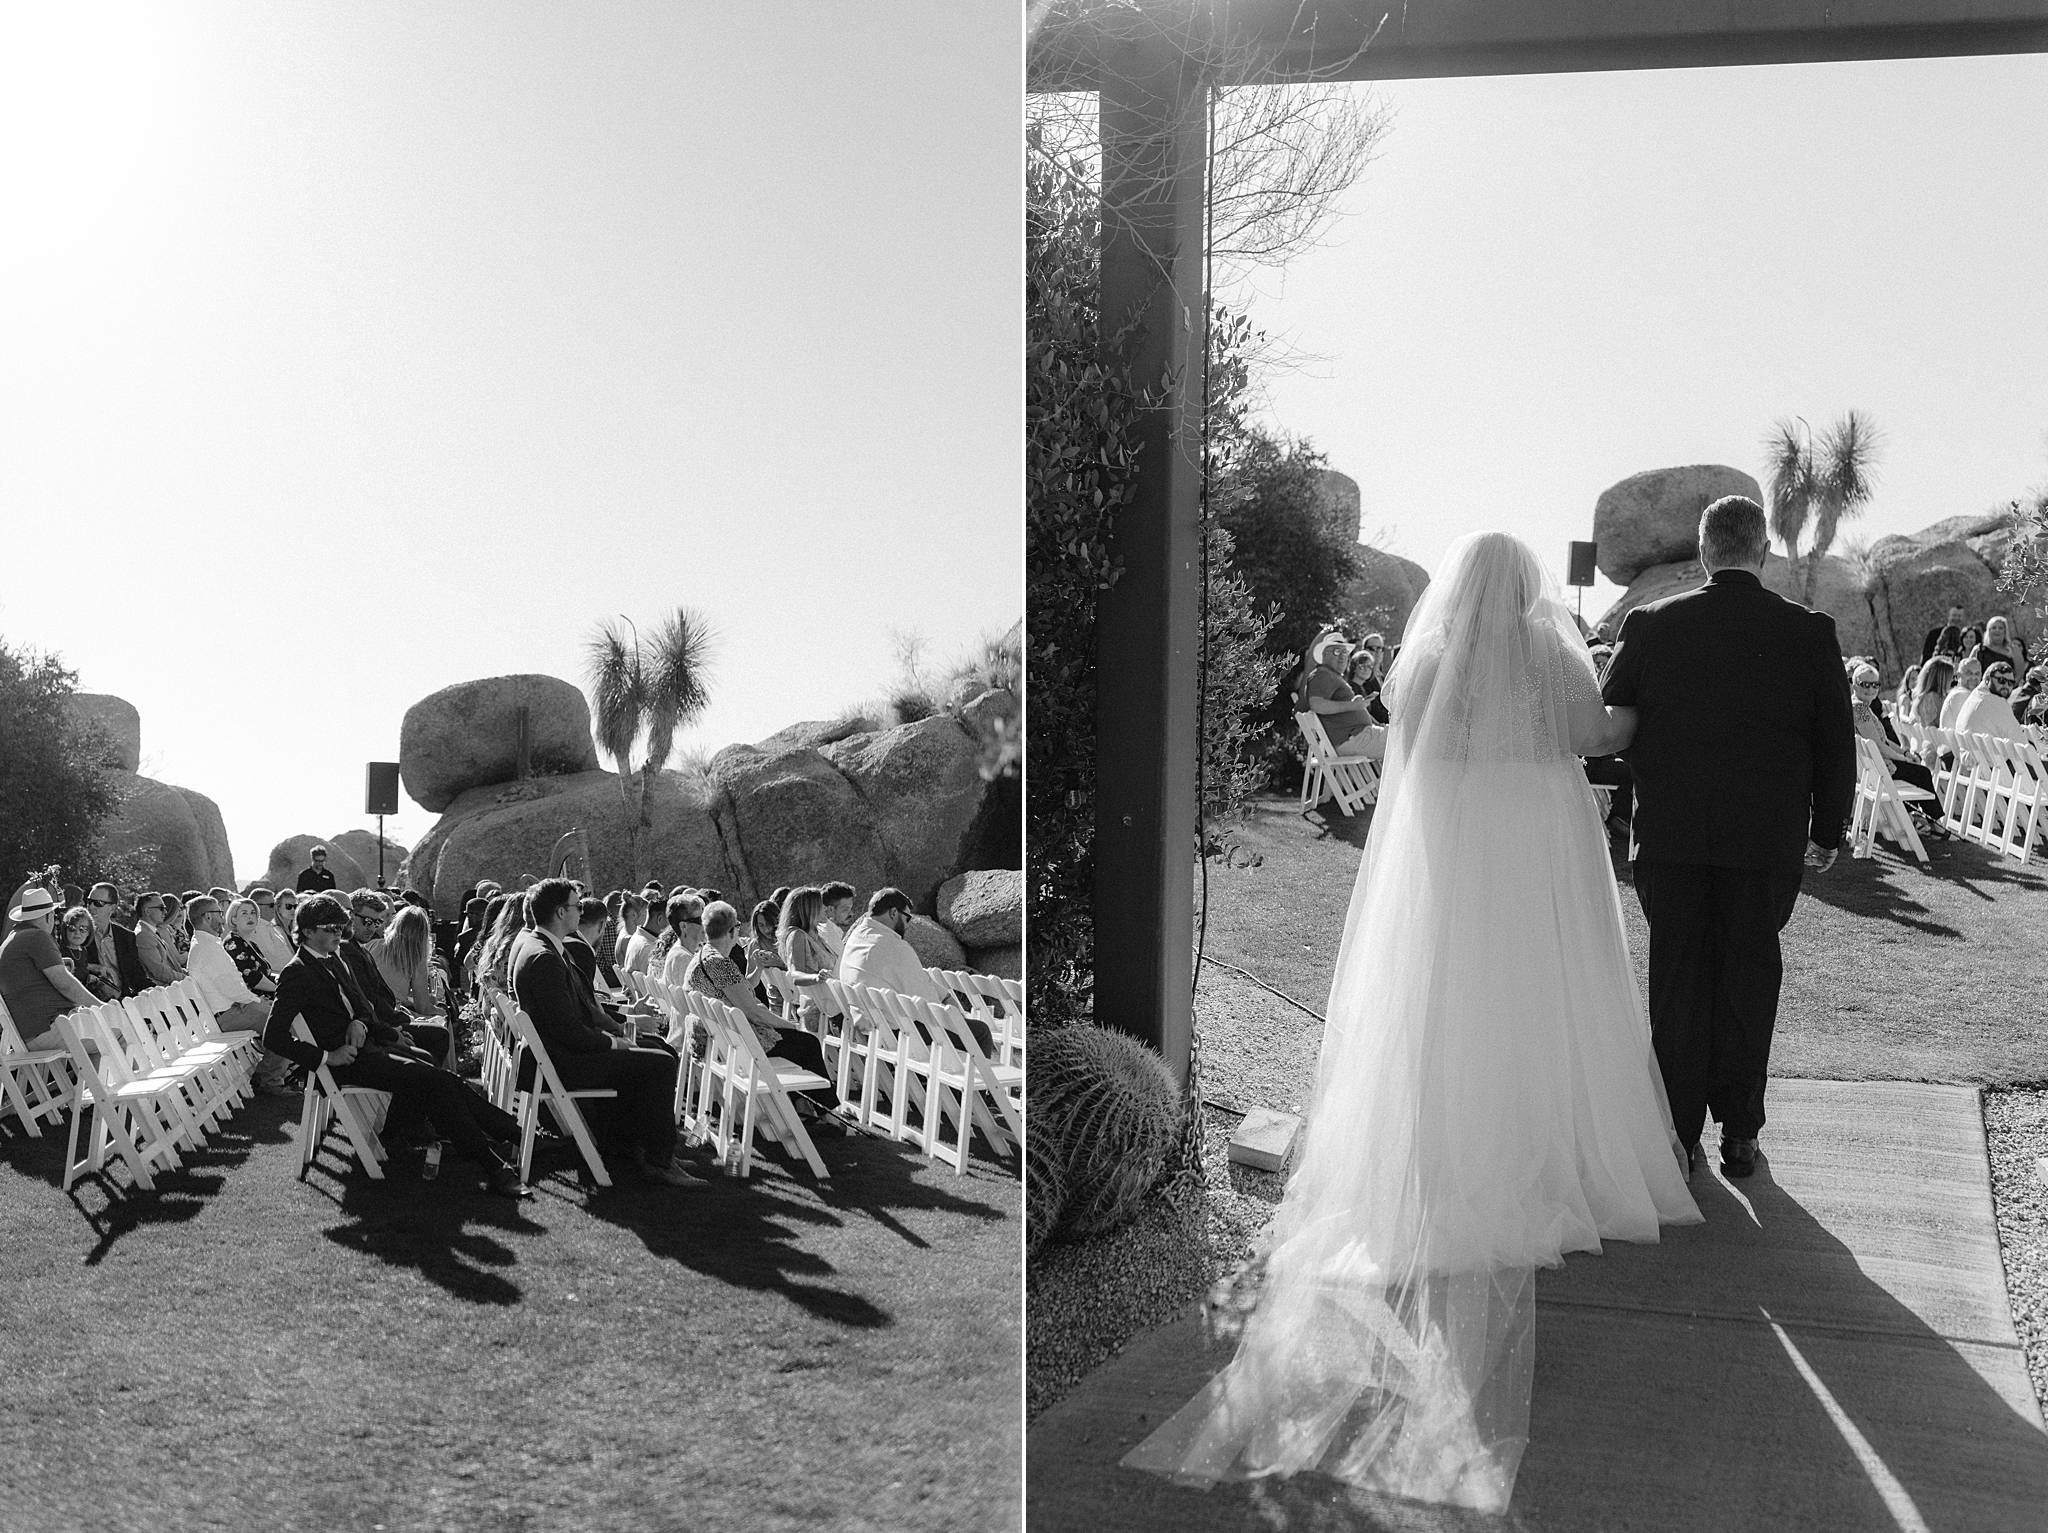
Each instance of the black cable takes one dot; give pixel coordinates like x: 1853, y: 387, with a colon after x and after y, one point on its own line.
x: 1270, y: 990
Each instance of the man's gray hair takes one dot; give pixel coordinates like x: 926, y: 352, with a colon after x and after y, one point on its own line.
x: 1733, y: 531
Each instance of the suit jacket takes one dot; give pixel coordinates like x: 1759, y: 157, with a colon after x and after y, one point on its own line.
x: 1744, y: 748
x: 329, y: 999
x: 372, y: 984
x: 134, y: 978
x: 557, y: 998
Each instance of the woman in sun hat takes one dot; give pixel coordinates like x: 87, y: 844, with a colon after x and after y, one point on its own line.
x: 34, y: 982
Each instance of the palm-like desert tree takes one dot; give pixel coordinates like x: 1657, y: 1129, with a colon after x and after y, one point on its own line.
x: 647, y: 689
x: 1819, y: 483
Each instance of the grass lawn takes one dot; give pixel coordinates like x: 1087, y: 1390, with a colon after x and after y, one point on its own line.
x: 243, y: 1350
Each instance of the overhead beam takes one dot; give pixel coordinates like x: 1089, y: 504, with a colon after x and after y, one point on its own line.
x: 1424, y: 39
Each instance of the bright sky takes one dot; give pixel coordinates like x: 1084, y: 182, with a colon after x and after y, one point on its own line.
x: 454, y: 329
x: 1546, y: 284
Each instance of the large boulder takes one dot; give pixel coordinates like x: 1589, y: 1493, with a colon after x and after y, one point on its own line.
x: 1002, y: 962
x: 793, y: 817
x: 467, y: 736
x: 293, y: 855
x: 1380, y: 597
x: 1916, y: 578
x: 984, y: 908
x: 120, y: 720
x: 1838, y: 591
x: 360, y: 846
x: 506, y: 831
x: 936, y: 947
x: 157, y: 821
x: 926, y: 798
x: 1653, y: 517
x: 213, y: 836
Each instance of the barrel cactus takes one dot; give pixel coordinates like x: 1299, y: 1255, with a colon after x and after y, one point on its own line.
x: 1045, y: 1182
x: 1112, y: 1108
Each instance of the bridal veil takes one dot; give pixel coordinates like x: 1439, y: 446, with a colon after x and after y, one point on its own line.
x: 1486, y: 1098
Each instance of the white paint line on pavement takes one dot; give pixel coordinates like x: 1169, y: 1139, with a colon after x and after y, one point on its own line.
x: 1895, y: 1497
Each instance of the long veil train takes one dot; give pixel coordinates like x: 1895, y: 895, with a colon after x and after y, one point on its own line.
x: 1486, y: 1099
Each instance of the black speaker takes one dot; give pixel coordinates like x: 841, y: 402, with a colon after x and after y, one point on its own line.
x: 1583, y: 558
x: 382, y: 793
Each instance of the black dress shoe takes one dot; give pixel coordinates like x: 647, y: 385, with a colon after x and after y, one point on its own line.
x: 502, y: 1176
x: 1738, y: 1157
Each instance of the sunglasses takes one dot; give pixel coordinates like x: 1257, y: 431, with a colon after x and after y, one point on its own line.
x: 327, y: 926
x: 99, y: 904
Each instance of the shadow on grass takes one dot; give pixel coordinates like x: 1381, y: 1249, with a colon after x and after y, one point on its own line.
x: 744, y: 1233
x: 447, y: 1230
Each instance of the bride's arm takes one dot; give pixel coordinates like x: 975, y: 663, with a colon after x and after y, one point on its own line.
x: 1597, y: 730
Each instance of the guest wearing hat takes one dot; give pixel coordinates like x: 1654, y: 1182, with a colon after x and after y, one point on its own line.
x: 317, y: 877
x: 34, y: 983
x: 1346, y: 717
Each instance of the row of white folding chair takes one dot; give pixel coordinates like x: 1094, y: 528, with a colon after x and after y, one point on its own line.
x: 996, y: 1002
x: 35, y: 1083
x: 509, y: 1038
x: 922, y: 1054
x: 755, y: 1092
x: 1881, y: 804
x: 1992, y: 789
x: 146, y: 1113
x: 1353, y: 780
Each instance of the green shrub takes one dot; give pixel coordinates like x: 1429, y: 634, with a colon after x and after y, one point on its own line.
x: 1114, y: 1114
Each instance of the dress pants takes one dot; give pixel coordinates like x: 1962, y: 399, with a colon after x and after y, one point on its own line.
x: 645, y: 1079
x: 1714, y: 974
x: 431, y: 1038
x: 460, y: 1115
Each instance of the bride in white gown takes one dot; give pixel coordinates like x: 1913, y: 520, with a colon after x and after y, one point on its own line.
x: 1487, y: 1099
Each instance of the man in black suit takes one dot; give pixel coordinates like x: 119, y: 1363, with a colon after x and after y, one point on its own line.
x: 317, y: 989
x: 587, y: 1049
x: 1745, y: 766
x: 114, y: 946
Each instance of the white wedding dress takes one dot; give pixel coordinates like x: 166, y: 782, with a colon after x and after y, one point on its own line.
x: 1487, y: 1098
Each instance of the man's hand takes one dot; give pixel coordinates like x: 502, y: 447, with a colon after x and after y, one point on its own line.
x: 345, y: 1055
x: 1820, y: 859
x: 358, y: 1035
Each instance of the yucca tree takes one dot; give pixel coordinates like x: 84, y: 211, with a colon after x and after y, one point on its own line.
x: 645, y: 690
x: 1818, y: 484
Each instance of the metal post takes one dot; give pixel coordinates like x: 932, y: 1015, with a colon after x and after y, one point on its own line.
x: 380, y: 851
x: 1154, y: 151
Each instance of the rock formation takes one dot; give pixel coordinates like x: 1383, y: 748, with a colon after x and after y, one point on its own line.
x: 1884, y: 603
x: 293, y: 855
x: 984, y: 908
x: 180, y: 829
x: 1653, y: 518
x: 467, y: 736
x: 119, y: 718
x: 1386, y: 588
x: 360, y: 847
x: 906, y: 807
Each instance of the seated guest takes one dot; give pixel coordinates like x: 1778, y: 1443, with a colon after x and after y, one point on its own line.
x: 581, y: 946
x: 1988, y: 711
x: 2028, y: 696
x: 368, y: 915
x: 274, y: 935
x: 880, y: 957
x: 150, y: 944
x: 802, y: 948
x: 1864, y: 685
x: 685, y: 936
x: 1944, y: 637
x: 1346, y: 717
x: 177, y: 932
x: 1929, y: 690
x: 243, y: 944
x: 236, y: 1007
x: 608, y: 944
x: 494, y: 953
x: 587, y: 1053
x: 471, y: 934
x: 318, y: 876
x: 34, y: 983
x: 713, y: 972
x: 837, y: 917
x: 221, y: 897
x: 636, y: 939
x: 2001, y: 646
x: 76, y: 940
x: 114, y: 944
x: 1364, y: 675
x: 1909, y: 685
x: 762, y: 952
x: 404, y: 956
x: 321, y: 1016
x: 1968, y: 675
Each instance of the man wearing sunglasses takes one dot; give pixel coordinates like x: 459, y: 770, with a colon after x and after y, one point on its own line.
x: 114, y: 946
x: 320, y: 1016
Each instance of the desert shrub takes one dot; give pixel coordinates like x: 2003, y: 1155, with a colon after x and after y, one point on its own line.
x: 1114, y: 1114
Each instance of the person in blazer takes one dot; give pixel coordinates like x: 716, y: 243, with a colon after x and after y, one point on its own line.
x: 317, y: 989
x: 1745, y: 767
x: 367, y: 915
x: 588, y: 1051
x: 115, y: 944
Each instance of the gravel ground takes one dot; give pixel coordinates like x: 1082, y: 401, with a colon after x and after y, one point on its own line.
x: 1083, y: 1302
x: 2016, y: 1124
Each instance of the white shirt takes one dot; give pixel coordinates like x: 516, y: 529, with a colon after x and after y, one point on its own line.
x: 638, y: 951
x: 219, y: 980
x: 876, y: 957
x: 1986, y: 713
x: 675, y: 968
x: 833, y: 935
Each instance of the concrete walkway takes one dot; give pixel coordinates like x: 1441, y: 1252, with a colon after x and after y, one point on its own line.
x: 1831, y: 1350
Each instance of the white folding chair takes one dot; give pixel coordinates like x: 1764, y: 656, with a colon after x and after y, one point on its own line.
x: 547, y: 1090
x: 2027, y: 804
x: 1352, y: 780
x: 355, y: 1108
x: 988, y: 999
x: 756, y: 1092
x: 137, y: 1117
x: 128, y: 1030
x: 873, y: 1078
x: 974, y: 1083
x: 164, y: 1022
x: 35, y: 1083
x: 1881, y: 804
